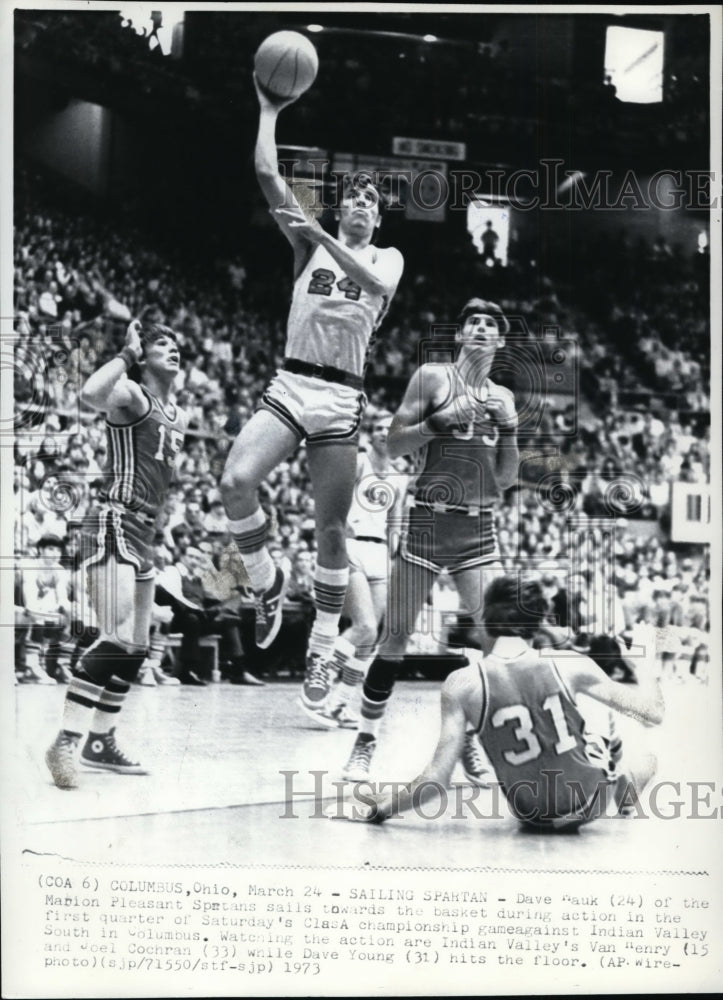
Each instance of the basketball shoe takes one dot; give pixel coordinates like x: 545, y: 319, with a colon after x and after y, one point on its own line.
x: 474, y: 763
x: 102, y: 752
x: 269, y: 608
x: 317, y: 681
x: 360, y: 760
x: 62, y: 760
x: 332, y: 717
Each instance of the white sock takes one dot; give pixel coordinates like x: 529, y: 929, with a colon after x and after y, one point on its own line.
x: 249, y: 533
x: 260, y: 568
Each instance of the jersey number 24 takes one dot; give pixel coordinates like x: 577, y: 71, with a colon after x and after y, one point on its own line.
x: 322, y: 282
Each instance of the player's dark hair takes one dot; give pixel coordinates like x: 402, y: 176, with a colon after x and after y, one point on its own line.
x: 362, y: 179
x: 484, y: 306
x: 514, y: 607
x: 150, y: 333
x: 155, y: 331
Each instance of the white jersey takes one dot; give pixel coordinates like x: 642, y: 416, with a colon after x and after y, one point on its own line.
x: 374, y: 498
x: 332, y: 320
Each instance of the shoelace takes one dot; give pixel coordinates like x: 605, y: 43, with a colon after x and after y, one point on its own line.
x: 260, y: 607
x: 114, y: 748
x: 317, y: 673
x: 361, y: 754
x: 472, y: 756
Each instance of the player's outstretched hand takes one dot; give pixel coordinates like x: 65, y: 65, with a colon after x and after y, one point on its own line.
x: 500, y: 408
x: 133, y: 338
x: 267, y: 100
x: 358, y: 811
x: 644, y: 641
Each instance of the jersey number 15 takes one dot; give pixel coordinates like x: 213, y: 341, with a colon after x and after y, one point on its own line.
x: 176, y: 440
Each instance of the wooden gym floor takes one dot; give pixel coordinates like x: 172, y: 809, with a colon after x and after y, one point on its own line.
x: 216, y: 795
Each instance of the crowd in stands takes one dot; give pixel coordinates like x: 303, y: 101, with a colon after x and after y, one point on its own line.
x: 79, y: 279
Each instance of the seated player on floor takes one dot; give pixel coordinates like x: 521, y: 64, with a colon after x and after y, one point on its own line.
x: 522, y: 703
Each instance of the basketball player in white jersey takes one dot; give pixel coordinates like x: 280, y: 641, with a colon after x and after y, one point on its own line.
x: 463, y: 426
x: 342, y: 289
x: 376, y: 507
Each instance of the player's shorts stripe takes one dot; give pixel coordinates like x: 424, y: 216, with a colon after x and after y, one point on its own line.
x: 347, y: 435
x: 280, y: 411
x: 486, y: 560
x: 98, y: 556
x: 416, y: 560
x: 121, y: 540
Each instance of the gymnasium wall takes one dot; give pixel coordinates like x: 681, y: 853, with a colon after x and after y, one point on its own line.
x: 74, y: 141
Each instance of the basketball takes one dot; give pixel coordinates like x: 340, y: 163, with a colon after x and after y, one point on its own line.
x: 286, y: 64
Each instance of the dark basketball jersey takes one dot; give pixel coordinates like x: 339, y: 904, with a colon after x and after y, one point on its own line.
x: 141, y: 457
x: 535, y: 738
x: 457, y: 468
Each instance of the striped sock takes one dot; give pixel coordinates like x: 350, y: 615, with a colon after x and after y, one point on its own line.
x: 157, y: 645
x: 250, y: 535
x: 329, y: 593
x: 350, y: 671
x: 110, y: 703
x: 81, y: 699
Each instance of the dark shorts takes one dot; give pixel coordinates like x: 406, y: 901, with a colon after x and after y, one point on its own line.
x: 125, y: 535
x: 593, y: 798
x: 449, y: 540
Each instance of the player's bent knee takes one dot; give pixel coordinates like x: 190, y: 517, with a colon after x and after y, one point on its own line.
x: 363, y: 633
x: 236, y: 482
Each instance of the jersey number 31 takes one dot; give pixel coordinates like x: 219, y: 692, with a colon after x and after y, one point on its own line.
x: 524, y: 731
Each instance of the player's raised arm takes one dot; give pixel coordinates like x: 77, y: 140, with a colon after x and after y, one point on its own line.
x: 109, y: 390
x: 642, y: 701
x: 411, y: 429
x: 278, y: 194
